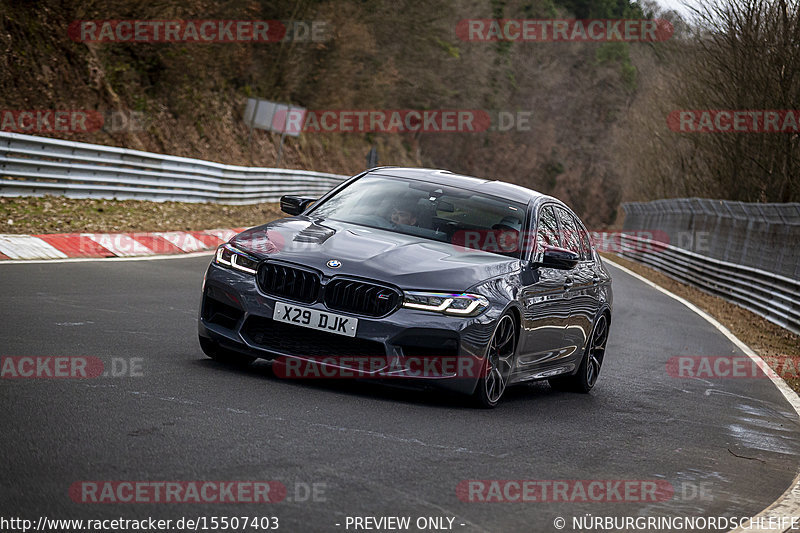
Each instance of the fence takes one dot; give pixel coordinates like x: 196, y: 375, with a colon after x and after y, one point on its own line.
x: 750, y: 254
x: 774, y: 297
x: 762, y: 236
x: 35, y: 166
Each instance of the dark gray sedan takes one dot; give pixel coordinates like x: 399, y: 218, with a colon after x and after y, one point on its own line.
x: 462, y: 283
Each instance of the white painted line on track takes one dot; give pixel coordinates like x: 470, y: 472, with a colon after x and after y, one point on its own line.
x: 788, y: 505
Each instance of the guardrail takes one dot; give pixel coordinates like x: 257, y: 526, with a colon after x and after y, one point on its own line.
x: 758, y: 235
x: 772, y: 296
x: 35, y: 166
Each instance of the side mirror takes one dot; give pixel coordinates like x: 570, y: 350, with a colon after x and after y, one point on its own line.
x: 559, y: 258
x: 294, y: 205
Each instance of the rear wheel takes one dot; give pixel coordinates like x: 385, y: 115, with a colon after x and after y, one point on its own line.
x: 218, y: 353
x: 498, y: 363
x: 586, y: 377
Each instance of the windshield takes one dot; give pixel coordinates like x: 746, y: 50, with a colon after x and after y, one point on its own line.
x: 464, y: 218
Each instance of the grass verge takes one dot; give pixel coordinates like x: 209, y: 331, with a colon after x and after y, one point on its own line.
x: 53, y: 214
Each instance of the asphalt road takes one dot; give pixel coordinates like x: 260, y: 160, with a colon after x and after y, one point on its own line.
x: 727, y: 446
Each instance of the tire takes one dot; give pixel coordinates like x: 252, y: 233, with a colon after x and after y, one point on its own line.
x: 585, y: 378
x: 222, y: 355
x: 498, y: 363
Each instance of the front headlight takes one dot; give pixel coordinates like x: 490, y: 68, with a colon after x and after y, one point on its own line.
x: 232, y: 257
x: 463, y: 304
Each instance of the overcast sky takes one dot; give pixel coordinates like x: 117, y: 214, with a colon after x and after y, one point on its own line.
x: 680, y: 6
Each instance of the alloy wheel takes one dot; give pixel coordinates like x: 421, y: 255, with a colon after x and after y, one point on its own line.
x: 500, y: 358
x: 597, y: 350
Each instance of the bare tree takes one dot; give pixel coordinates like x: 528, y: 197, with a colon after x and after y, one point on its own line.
x: 741, y: 55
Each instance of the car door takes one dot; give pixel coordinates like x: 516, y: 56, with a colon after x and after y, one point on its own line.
x: 546, y: 313
x: 597, y: 276
x: 581, y: 292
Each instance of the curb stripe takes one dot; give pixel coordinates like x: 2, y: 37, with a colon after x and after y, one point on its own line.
x: 156, y: 243
x: 208, y: 240
x: 120, y: 244
x: 75, y: 245
x: 165, y: 257
x: 107, y: 245
x: 183, y: 241
x: 28, y: 247
x: 223, y: 234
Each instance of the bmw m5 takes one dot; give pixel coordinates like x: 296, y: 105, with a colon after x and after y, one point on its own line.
x: 466, y: 284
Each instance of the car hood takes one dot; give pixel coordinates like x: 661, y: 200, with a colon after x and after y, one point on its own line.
x: 407, y: 261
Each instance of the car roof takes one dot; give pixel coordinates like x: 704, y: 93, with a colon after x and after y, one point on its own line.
x: 502, y: 189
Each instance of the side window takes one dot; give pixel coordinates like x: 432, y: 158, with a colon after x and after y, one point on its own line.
x: 586, y: 245
x: 571, y: 237
x: 546, y: 230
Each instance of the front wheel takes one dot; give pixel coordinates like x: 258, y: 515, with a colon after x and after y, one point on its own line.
x: 586, y: 377
x: 498, y: 363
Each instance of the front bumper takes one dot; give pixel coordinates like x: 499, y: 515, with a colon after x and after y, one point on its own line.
x: 238, y: 316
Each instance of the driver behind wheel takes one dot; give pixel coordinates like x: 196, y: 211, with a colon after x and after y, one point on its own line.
x: 507, y: 233
x: 404, y: 212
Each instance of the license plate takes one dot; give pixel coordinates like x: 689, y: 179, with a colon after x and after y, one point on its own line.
x: 314, y: 319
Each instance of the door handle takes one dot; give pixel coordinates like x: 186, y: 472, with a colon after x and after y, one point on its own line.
x: 595, y: 279
x: 568, y: 283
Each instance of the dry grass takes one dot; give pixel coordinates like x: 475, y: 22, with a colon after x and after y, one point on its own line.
x: 66, y: 215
